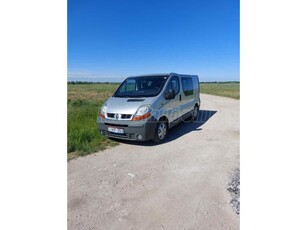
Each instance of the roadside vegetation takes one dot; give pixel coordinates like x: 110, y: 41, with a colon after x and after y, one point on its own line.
x: 84, y: 101
x: 83, y: 104
x: 224, y: 89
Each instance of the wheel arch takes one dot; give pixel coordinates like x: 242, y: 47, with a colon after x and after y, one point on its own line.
x: 164, y: 118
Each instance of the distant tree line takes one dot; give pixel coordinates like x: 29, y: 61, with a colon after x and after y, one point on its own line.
x: 90, y: 82
x: 219, y: 82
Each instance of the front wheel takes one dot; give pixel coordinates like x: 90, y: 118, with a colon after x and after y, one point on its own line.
x: 160, y: 132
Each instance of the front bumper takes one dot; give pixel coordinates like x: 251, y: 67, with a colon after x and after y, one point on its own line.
x: 132, y: 129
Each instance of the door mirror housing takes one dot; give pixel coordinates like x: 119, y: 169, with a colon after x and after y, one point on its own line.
x: 170, y: 94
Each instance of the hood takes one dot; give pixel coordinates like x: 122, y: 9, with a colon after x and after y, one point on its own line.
x: 127, y: 105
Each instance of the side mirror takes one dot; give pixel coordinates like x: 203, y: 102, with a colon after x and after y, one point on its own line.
x: 170, y: 94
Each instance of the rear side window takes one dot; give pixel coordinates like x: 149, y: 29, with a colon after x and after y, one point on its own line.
x: 195, y: 85
x: 187, y: 86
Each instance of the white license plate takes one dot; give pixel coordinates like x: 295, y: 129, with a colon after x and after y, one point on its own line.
x: 115, y: 130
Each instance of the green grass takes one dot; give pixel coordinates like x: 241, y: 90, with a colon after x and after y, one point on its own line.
x: 221, y: 89
x: 84, y: 102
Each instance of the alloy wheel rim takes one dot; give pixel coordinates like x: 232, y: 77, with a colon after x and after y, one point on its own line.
x: 162, y: 131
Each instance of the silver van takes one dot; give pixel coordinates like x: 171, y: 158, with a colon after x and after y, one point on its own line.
x: 145, y: 107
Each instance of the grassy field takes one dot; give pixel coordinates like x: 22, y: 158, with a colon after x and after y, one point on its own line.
x: 222, y: 89
x: 84, y: 102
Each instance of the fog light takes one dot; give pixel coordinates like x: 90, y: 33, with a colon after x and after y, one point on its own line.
x: 139, y: 137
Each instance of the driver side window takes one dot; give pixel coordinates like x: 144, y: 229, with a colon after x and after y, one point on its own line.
x: 174, y: 84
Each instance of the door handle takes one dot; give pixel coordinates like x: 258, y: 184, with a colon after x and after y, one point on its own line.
x: 179, y: 97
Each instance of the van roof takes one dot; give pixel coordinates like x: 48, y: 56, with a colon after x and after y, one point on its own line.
x: 163, y: 75
x: 153, y: 75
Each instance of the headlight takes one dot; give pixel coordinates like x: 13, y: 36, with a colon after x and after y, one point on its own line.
x: 103, y: 111
x: 104, y: 108
x: 142, y: 113
x: 143, y: 110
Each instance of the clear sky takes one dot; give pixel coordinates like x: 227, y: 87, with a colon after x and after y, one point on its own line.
x: 118, y: 38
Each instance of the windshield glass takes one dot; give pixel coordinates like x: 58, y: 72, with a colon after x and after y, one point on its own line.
x: 148, y: 86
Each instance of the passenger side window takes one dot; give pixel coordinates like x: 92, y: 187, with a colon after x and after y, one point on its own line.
x: 187, y: 86
x: 174, y: 84
x: 129, y: 86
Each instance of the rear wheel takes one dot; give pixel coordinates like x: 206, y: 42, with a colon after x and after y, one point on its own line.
x: 160, y: 132
x: 195, y: 113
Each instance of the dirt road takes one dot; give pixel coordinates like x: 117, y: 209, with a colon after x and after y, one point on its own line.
x: 180, y: 184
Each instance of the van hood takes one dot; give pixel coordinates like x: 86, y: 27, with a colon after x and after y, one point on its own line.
x: 125, y: 105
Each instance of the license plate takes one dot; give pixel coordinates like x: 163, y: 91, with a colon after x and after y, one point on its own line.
x: 115, y: 130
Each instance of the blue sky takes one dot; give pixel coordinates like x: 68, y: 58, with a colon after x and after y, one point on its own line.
x: 118, y: 38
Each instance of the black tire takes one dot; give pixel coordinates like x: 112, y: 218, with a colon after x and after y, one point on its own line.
x: 160, y: 132
x: 195, y: 113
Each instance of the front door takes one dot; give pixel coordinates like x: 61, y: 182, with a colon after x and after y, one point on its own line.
x: 173, y: 107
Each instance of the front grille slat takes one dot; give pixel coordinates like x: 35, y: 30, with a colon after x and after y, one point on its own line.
x: 122, y: 116
x: 111, y: 115
x: 126, y: 116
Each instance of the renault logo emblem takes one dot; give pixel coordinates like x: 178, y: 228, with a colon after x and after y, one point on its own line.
x: 117, y: 116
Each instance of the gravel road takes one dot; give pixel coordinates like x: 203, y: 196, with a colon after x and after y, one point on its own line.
x: 180, y: 184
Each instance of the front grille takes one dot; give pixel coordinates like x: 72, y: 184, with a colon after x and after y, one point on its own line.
x: 126, y: 116
x: 122, y: 116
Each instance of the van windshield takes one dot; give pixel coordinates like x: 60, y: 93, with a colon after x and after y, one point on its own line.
x: 147, y: 86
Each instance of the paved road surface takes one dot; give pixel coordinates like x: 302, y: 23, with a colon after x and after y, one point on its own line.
x: 180, y: 184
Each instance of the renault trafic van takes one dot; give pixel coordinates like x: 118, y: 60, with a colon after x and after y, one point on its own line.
x: 146, y: 107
